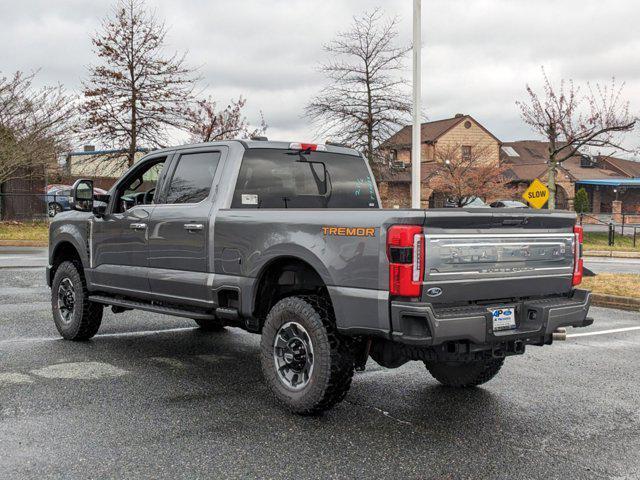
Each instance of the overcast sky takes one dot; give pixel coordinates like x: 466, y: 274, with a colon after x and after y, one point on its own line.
x: 478, y: 54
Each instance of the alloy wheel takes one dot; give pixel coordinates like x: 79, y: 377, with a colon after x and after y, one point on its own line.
x: 66, y: 299
x: 293, y: 355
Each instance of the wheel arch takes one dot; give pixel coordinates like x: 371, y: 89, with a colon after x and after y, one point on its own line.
x: 65, y: 249
x: 281, y: 277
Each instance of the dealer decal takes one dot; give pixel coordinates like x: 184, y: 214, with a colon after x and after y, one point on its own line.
x: 349, y: 231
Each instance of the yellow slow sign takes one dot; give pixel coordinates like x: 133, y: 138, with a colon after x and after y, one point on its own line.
x: 537, y: 194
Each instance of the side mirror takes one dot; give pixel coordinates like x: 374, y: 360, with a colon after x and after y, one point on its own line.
x: 82, y: 195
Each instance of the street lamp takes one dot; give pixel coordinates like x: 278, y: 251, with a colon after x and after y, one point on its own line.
x: 415, y: 132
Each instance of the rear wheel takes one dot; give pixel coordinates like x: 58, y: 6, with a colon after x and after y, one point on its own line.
x: 307, y: 365
x: 75, y: 317
x: 465, y: 374
x: 209, y: 325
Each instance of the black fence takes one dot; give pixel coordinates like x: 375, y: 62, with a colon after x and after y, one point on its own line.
x: 632, y: 231
x: 31, y: 207
x: 618, y: 233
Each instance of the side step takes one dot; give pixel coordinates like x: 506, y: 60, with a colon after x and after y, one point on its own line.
x: 227, y: 313
x: 150, y: 307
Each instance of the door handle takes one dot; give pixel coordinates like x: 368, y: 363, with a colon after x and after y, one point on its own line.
x: 193, y: 227
x: 137, y: 226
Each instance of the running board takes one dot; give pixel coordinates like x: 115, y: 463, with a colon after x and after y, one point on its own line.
x: 227, y: 313
x: 149, y: 307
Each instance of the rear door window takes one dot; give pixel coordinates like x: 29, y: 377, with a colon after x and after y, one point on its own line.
x: 271, y: 178
x: 193, y: 177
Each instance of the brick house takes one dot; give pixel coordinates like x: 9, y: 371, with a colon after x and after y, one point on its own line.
x: 607, y: 180
x: 394, y: 182
x: 610, y: 182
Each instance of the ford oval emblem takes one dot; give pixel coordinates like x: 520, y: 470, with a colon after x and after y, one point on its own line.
x: 434, y: 292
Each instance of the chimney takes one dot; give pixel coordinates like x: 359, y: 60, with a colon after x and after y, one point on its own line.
x: 459, y: 115
x: 89, y: 148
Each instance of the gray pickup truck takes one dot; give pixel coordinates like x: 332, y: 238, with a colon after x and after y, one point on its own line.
x: 289, y: 240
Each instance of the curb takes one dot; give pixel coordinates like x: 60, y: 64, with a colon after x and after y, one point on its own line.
x: 614, y: 301
x: 611, y: 254
x: 23, y: 243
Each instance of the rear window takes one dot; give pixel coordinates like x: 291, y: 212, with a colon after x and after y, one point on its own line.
x: 272, y: 178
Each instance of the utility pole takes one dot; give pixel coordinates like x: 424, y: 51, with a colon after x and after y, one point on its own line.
x: 415, y: 133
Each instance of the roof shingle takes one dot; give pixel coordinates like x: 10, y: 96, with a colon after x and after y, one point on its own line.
x: 429, y: 132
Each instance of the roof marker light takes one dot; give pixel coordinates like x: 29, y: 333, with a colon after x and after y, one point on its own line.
x: 308, y: 146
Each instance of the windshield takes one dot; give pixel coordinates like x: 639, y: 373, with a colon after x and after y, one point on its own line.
x: 271, y: 178
x: 476, y: 203
x: 513, y: 204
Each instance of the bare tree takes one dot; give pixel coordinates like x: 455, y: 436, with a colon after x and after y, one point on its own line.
x: 207, y: 124
x: 463, y: 174
x: 571, y: 120
x: 365, y: 101
x: 138, y: 93
x: 35, y: 126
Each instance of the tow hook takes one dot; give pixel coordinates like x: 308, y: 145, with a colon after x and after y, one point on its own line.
x: 560, y: 334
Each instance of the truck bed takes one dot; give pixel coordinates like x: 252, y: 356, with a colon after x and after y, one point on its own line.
x: 471, y: 254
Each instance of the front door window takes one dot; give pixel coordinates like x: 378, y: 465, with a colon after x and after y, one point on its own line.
x: 140, y: 187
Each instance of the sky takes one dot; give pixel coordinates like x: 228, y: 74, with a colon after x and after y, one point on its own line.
x: 478, y: 55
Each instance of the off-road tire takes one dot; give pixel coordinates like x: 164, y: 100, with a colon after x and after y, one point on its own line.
x: 465, y: 374
x: 213, y: 325
x: 87, y: 316
x: 333, y: 360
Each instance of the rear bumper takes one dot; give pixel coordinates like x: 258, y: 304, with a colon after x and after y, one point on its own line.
x: 422, y: 324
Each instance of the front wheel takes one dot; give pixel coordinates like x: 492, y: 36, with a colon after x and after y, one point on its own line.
x: 465, y: 374
x: 76, y: 317
x: 307, y: 364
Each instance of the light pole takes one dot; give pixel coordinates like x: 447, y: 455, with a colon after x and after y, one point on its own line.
x: 415, y: 133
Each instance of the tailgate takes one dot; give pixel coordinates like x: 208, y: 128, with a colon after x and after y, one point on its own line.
x: 502, y: 256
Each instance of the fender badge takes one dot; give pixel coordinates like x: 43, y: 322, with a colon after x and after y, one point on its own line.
x: 434, y: 292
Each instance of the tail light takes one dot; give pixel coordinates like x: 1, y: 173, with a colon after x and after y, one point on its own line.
x: 578, y: 264
x: 405, y: 250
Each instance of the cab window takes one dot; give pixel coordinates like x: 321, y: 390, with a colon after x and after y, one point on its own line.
x: 274, y: 178
x: 193, y: 177
x: 139, y: 187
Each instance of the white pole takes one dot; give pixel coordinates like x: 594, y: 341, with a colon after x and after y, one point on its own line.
x: 415, y: 133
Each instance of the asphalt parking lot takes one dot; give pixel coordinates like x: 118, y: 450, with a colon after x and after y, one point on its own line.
x: 152, y: 397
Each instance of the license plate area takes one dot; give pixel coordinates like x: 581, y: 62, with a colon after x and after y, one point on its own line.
x: 504, y: 318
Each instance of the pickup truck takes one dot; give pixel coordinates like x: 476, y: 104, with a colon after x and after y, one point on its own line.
x: 289, y: 240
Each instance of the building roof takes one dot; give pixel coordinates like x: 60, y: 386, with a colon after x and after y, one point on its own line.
x: 527, y: 152
x: 429, y: 131
x: 577, y: 173
x: 626, y: 167
x: 526, y: 172
x: 530, y: 161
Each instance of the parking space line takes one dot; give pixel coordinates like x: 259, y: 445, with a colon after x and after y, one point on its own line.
x: 603, y: 332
